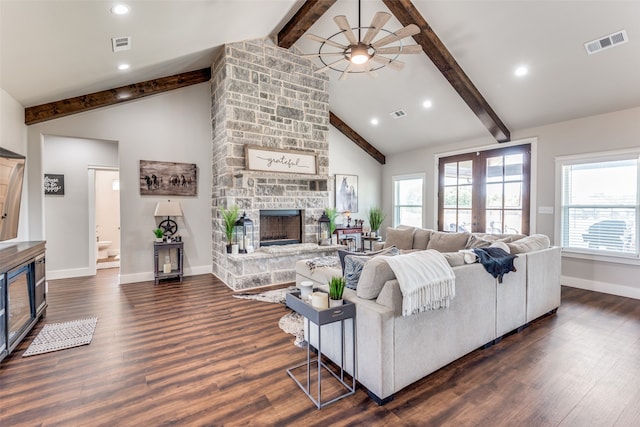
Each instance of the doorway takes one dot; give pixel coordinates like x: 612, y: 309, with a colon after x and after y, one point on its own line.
x: 107, y: 218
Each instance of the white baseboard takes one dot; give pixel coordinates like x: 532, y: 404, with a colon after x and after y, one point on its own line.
x: 148, y: 276
x: 67, y: 274
x: 604, y: 287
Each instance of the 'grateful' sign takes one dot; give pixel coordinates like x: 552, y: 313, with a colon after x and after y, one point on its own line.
x: 288, y: 161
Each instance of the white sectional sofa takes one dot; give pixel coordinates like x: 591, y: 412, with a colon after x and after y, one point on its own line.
x: 394, y: 351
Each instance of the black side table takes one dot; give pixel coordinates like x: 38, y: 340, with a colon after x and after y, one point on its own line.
x: 159, y: 273
x: 370, y: 240
x: 324, y: 317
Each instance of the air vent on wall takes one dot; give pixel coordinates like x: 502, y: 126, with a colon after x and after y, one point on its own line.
x: 398, y: 113
x: 120, y: 43
x: 606, y: 42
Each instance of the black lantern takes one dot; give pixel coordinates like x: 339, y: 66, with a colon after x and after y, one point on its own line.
x: 243, y: 234
x: 324, y: 230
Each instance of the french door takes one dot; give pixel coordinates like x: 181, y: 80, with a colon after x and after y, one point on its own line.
x: 485, y: 191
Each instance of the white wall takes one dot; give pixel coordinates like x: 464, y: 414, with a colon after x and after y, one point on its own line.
x: 345, y: 157
x: 173, y: 126
x: 70, y: 247
x: 591, y: 134
x: 13, y: 137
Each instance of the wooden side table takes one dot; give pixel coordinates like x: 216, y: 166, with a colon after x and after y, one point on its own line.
x: 157, y: 272
x: 370, y: 241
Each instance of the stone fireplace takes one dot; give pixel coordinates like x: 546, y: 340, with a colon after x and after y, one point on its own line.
x: 268, y: 97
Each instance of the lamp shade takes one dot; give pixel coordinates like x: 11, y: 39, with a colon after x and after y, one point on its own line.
x: 168, y: 208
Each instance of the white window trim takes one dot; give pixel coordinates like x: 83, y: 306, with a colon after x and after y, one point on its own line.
x: 533, y: 190
x: 629, y: 259
x: 395, y: 178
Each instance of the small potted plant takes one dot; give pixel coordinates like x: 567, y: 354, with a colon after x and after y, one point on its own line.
x: 159, y: 233
x: 331, y: 213
x: 230, y: 217
x: 376, y: 217
x: 336, y: 288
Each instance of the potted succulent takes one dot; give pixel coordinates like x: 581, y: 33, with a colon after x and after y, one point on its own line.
x: 159, y: 233
x: 376, y: 217
x: 336, y: 288
x: 230, y: 217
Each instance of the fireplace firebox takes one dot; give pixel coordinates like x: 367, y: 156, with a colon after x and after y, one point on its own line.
x: 280, y: 227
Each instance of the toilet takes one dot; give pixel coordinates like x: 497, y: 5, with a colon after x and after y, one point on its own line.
x: 103, y: 249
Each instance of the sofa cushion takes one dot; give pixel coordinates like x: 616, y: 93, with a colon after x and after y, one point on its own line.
x: 402, y: 238
x: 535, y: 242
x: 374, y: 275
x: 354, y: 264
x: 421, y: 238
x: 455, y: 259
x: 448, y: 242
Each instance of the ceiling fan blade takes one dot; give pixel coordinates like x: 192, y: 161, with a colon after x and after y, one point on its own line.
x: 395, y: 64
x: 326, y: 67
x: 343, y: 24
x: 346, y: 71
x: 315, y: 55
x: 413, y: 48
x: 409, y: 30
x: 379, y: 20
x: 371, y: 73
x: 327, y: 41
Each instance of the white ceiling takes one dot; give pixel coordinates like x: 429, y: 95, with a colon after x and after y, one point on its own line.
x: 55, y: 49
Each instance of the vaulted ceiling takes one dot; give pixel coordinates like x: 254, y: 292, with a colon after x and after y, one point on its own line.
x: 52, y: 50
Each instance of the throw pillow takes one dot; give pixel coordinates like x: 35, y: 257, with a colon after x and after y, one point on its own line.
x: 485, y: 241
x: 535, y: 242
x: 374, y: 275
x: 402, y: 238
x: 448, y: 242
x: 421, y: 238
x: 387, y: 251
x: 354, y: 264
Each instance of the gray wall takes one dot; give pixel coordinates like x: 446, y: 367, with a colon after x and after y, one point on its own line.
x: 66, y: 217
x: 612, y: 131
x: 173, y: 126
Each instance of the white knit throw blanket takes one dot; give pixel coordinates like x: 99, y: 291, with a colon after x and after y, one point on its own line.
x: 426, y: 280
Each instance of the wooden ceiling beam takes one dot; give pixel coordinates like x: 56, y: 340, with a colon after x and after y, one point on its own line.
x: 356, y: 138
x: 79, y: 104
x: 303, y: 19
x: 406, y: 13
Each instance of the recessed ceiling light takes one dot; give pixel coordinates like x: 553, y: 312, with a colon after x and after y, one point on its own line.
x: 374, y: 121
x: 123, y: 67
x: 427, y: 103
x: 521, y: 71
x: 120, y: 9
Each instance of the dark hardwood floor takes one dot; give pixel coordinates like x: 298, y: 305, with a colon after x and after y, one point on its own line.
x: 190, y: 354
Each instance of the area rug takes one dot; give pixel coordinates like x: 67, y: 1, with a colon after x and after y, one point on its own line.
x: 60, y: 336
x: 292, y: 322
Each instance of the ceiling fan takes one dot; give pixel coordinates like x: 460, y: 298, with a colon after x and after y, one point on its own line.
x: 364, y: 54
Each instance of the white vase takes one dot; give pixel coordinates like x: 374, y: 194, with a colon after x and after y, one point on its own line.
x: 335, y: 302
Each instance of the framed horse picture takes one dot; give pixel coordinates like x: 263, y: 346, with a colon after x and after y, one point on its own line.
x: 346, y: 193
x: 168, y: 179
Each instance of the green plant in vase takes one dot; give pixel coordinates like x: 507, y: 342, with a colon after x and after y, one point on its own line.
x: 336, y: 288
x: 159, y: 233
x: 331, y: 213
x: 230, y: 217
x: 376, y: 217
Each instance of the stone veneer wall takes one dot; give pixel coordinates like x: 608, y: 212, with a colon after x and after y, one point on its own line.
x: 265, y: 96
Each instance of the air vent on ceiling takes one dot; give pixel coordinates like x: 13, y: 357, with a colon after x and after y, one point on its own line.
x: 606, y: 42
x: 120, y: 43
x: 398, y: 113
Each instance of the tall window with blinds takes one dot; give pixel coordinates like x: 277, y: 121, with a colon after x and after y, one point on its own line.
x: 599, y: 204
x: 407, y: 200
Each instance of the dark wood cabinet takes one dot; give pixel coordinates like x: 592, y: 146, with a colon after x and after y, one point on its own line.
x: 23, y: 299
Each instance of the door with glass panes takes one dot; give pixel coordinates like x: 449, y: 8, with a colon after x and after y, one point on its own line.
x: 485, y: 191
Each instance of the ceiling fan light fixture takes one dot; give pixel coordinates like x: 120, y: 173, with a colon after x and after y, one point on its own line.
x: 360, y: 54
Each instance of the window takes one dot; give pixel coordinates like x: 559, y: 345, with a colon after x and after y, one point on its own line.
x: 485, y: 191
x: 407, y: 200
x: 599, y: 204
